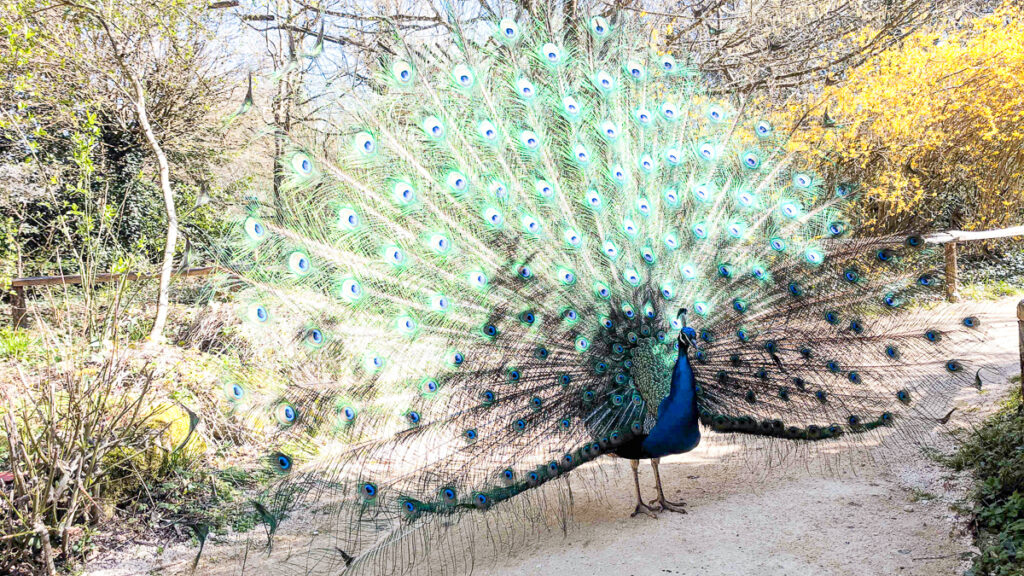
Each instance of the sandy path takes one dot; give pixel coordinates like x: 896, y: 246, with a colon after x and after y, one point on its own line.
x: 880, y: 513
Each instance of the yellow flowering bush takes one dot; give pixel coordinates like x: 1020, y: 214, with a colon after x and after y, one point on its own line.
x: 933, y: 129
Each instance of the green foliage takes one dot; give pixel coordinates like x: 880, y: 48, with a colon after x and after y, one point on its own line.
x: 995, y: 453
x: 995, y: 275
x: 15, y: 344
x: 80, y: 177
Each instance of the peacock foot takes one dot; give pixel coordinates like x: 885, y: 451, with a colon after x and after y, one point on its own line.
x: 670, y: 506
x: 642, y: 508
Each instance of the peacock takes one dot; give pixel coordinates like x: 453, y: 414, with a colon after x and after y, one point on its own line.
x: 525, y: 251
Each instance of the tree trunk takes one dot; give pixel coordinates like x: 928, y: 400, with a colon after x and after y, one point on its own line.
x: 167, y: 267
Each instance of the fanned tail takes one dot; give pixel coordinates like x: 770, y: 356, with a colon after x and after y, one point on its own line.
x: 476, y: 292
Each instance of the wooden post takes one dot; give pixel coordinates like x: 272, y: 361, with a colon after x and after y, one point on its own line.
x: 952, y: 284
x: 19, y: 306
x: 1020, y: 330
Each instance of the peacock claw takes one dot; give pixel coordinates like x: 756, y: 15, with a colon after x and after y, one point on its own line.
x: 642, y: 508
x: 670, y: 506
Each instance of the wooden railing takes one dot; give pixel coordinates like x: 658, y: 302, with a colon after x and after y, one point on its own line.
x: 19, y: 305
x: 951, y: 238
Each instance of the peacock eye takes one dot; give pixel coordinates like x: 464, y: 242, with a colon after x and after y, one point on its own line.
x: 802, y: 180
x: 401, y: 71
x: 254, y: 229
x: 403, y: 193
x: 259, y: 313
x: 298, y: 262
x: 284, y: 463
x: 509, y: 29
x: 526, y: 89
x: 302, y: 164
x: 463, y: 76
x: 433, y: 127
x: 348, y: 219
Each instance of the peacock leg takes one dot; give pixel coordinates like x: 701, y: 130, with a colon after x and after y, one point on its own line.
x: 640, y: 506
x: 665, y: 504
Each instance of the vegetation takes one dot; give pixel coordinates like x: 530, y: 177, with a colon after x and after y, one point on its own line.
x: 932, y: 129
x: 995, y: 453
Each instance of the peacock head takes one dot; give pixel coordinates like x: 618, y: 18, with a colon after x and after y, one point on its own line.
x: 687, y: 335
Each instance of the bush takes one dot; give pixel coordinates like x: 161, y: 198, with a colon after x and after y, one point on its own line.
x: 930, y: 130
x: 72, y: 445
x: 995, y: 453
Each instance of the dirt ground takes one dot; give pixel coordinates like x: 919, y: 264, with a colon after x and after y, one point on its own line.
x: 878, y: 512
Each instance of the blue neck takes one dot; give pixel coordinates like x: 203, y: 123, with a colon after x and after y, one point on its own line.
x: 676, y: 429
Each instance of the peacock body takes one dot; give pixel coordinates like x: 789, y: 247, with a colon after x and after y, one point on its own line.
x: 527, y: 253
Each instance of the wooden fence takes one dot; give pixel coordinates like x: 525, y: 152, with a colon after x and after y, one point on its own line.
x: 951, y: 238
x: 19, y: 305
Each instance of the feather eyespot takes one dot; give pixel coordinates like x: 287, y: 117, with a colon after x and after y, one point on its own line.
x: 433, y: 127
x: 283, y: 462
x: 402, y: 71
x: 509, y: 30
